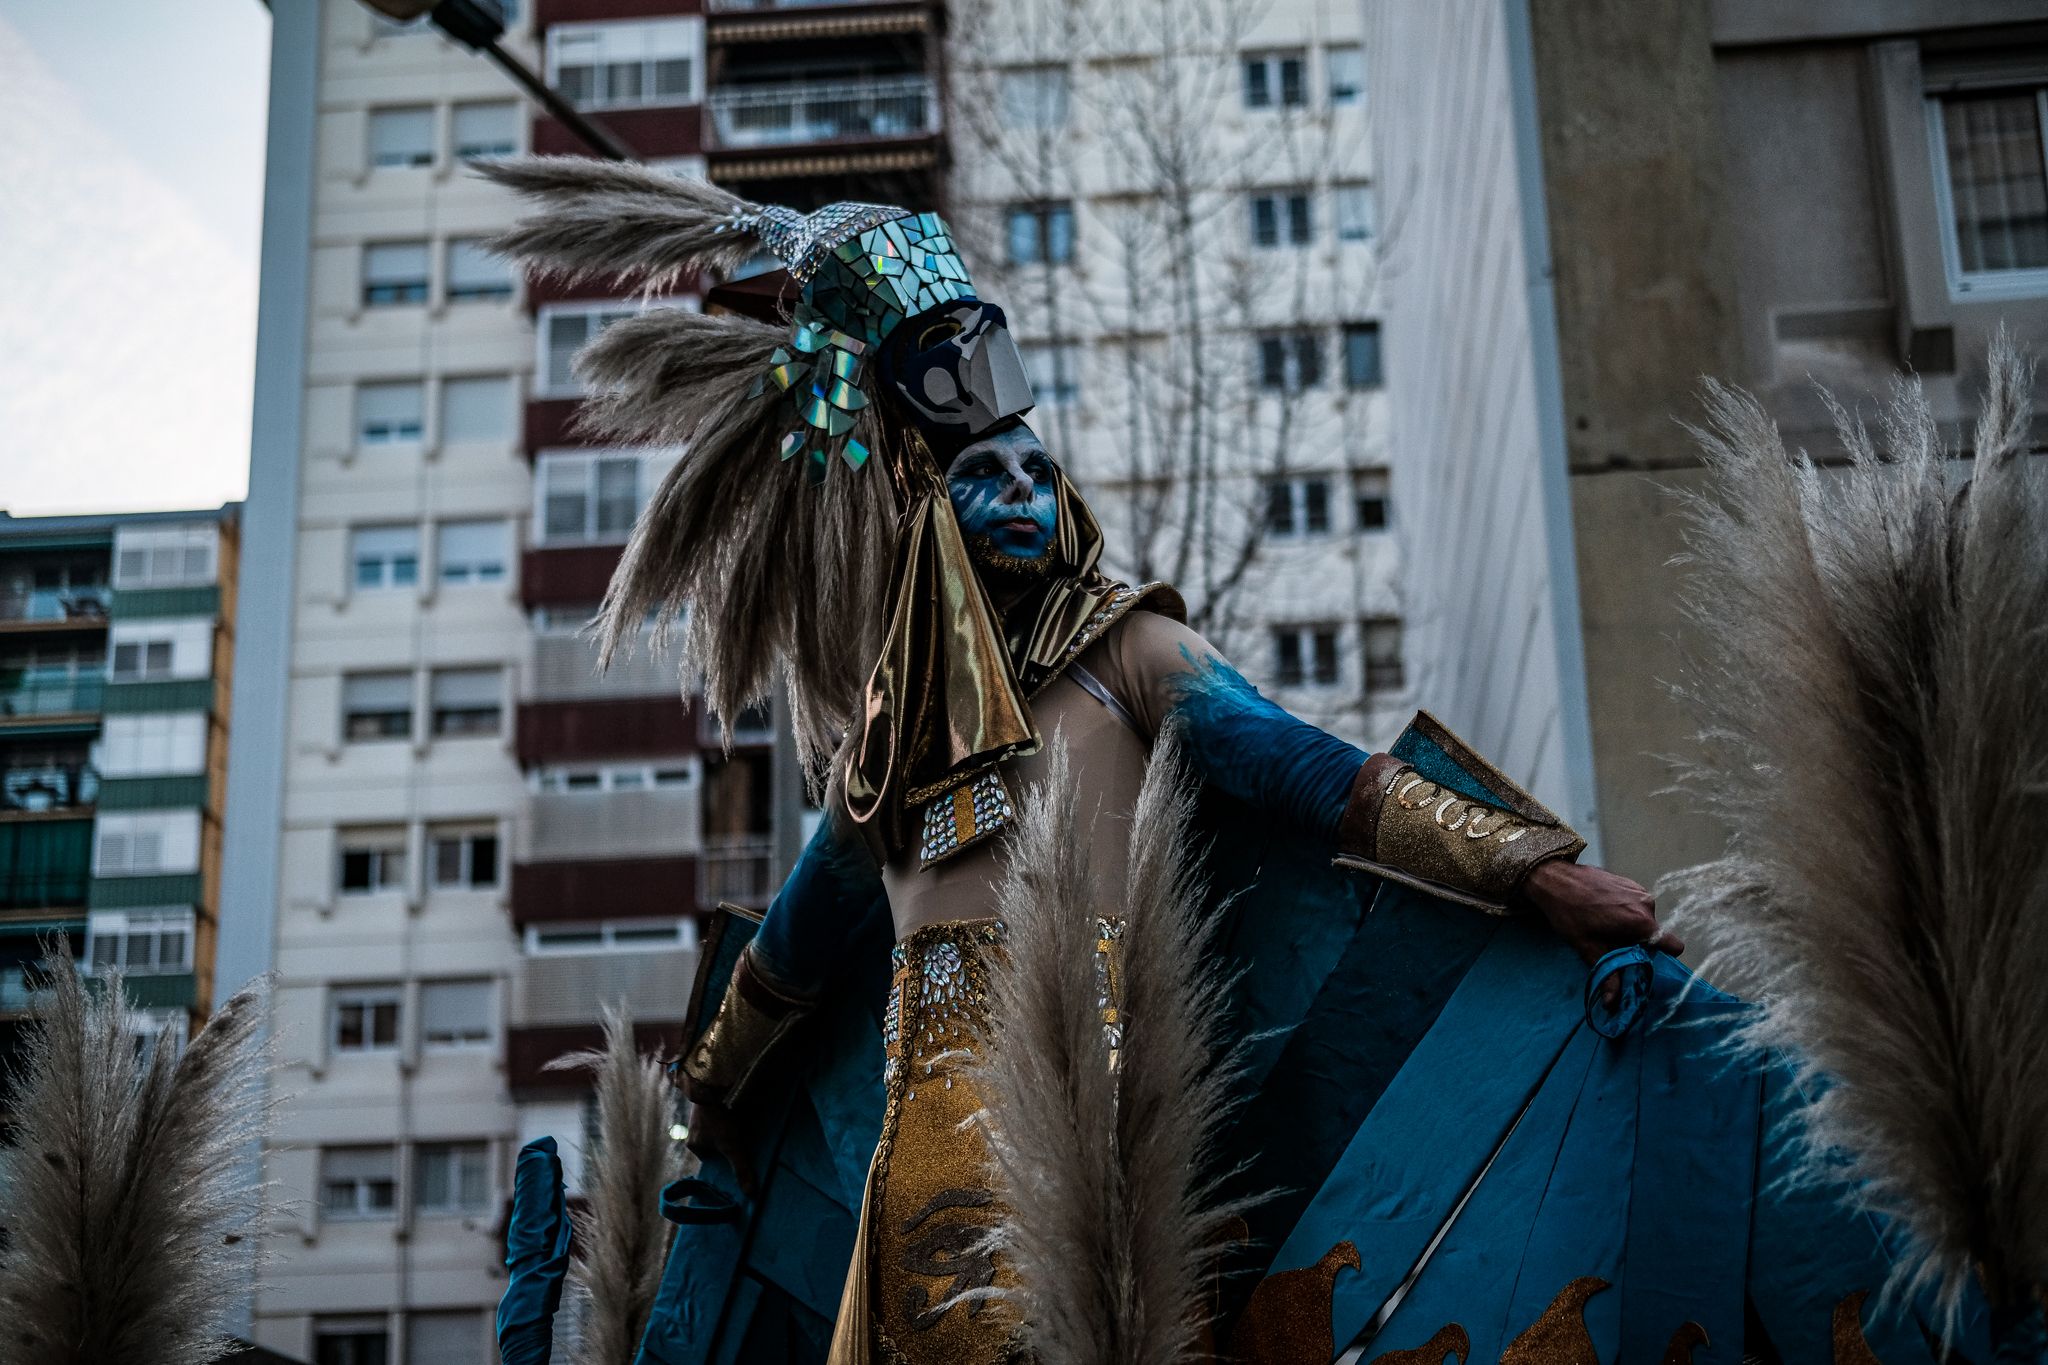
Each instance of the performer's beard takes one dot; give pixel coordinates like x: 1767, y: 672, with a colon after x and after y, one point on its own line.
x: 1003, y: 571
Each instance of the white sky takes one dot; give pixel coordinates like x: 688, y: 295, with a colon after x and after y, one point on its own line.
x: 129, y: 223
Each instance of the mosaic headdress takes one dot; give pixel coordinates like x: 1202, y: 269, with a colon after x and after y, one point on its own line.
x: 859, y: 586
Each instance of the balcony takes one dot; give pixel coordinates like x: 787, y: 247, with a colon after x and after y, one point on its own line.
x: 85, y: 605
x: 801, y: 114
x: 565, y: 669
x: 615, y: 888
x: 775, y: 6
x: 48, y: 789
x: 569, y: 988
x: 626, y: 727
x: 738, y: 870
x: 26, y: 694
x: 615, y: 824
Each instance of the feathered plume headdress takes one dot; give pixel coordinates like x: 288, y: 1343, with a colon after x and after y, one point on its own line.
x: 1870, y: 691
x: 859, y: 587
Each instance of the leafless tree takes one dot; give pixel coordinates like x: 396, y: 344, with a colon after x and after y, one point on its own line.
x: 1164, y: 279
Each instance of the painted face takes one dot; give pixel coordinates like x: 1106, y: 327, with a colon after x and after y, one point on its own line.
x: 957, y: 368
x: 1004, y: 498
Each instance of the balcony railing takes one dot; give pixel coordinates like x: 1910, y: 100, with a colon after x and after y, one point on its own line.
x: 570, y: 989
x: 84, y: 603
x: 39, y: 787
x: 801, y: 112
x: 578, y: 825
x: 739, y: 870
x: 23, y: 986
x: 26, y: 694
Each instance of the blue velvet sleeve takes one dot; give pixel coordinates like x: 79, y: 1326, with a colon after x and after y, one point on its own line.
x: 829, y: 903
x: 1250, y: 748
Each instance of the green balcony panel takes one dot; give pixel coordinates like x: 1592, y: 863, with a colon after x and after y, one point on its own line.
x: 185, y: 694
x: 131, y: 893
x: 153, y: 793
x: 141, y: 604
x: 172, y: 990
x: 45, y: 863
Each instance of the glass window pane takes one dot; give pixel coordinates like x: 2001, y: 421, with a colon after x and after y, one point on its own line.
x: 1293, y: 90
x: 1258, y: 92
x: 477, y: 273
x: 1996, y: 181
x: 376, y: 691
x: 1345, y: 67
x: 1023, y: 236
x: 401, y: 137
x: 618, y: 496
x: 467, y: 687
x: 486, y: 129
x: 387, y: 413
x: 454, y: 1012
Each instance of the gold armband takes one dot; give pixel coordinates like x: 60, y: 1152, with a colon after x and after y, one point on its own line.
x: 1409, y: 829
x: 752, y: 1018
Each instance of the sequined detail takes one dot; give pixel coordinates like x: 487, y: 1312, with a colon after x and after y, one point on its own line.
x: 1102, y: 618
x: 1559, y: 1336
x: 1851, y: 1347
x: 955, y: 821
x: 804, y: 241
x: 1109, y: 986
x: 1287, y: 1319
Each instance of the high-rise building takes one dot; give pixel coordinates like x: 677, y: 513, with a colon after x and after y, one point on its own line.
x: 451, y: 839
x: 116, y: 636
x: 1176, y: 207
x: 1603, y: 202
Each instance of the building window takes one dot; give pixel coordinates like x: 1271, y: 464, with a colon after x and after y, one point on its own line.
x: 1362, y: 355
x: 467, y: 701
x: 1355, y: 212
x: 153, y: 744
x: 394, y: 273
x: 611, y: 936
x: 140, y: 660
x: 448, y: 1337
x: 146, y: 843
x: 475, y: 274
x: 384, y: 557
x: 476, y: 410
x: 1040, y: 234
x: 470, y: 552
x: 1033, y: 97
x: 365, y: 1018
x: 465, y: 858
x: 165, y: 557
x: 402, y: 137
x: 389, y: 414
x: 372, y: 861
x: 1305, y: 655
x: 1282, y: 218
x: 486, y: 129
x: 1381, y: 639
x: 1290, y: 361
x: 455, y: 1014
x: 588, y: 499
x: 565, y: 329
x: 1370, y: 487
x: 352, y: 1341
x: 1276, y: 80
x: 376, y: 706
x: 140, y: 942
x: 1344, y: 73
x: 1298, y: 506
x: 625, y: 65
x: 1054, y: 369
x: 617, y: 777
x: 358, y: 1182
x: 449, y: 1177
x: 1994, y: 175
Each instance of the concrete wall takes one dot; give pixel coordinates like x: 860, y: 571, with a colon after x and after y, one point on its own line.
x: 1476, y: 451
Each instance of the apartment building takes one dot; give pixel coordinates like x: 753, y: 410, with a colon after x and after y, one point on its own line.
x: 116, y: 636
x: 1603, y: 202
x: 1176, y: 206
x: 460, y: 840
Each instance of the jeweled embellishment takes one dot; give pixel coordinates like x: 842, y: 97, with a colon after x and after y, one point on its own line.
x: 957, y: 820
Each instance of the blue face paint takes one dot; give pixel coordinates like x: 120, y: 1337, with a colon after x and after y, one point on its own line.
x: 1003, y: 495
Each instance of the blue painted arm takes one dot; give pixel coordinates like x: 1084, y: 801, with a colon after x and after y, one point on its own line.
x: 1250, y: 748
x: 832, y: 892
x: 536, y: 1255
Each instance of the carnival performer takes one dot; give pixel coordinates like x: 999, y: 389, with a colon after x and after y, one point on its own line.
x: 862, y: 510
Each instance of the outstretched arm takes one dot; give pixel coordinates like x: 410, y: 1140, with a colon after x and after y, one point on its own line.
x: 1376, y: 813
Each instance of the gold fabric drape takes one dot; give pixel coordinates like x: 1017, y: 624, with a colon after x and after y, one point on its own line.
x: 949, y: 694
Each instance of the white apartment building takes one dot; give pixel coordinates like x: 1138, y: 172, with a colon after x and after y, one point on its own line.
x: 1176, y: 207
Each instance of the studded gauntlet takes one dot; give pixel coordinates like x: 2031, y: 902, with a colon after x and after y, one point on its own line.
x: 1410, y: 829
x: 752, y: 1018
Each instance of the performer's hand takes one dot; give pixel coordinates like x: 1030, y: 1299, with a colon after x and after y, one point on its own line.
x: 716, y: 1131
x: 1596, y: 911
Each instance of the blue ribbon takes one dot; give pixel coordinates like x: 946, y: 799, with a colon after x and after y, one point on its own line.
x: 1634, y: 966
